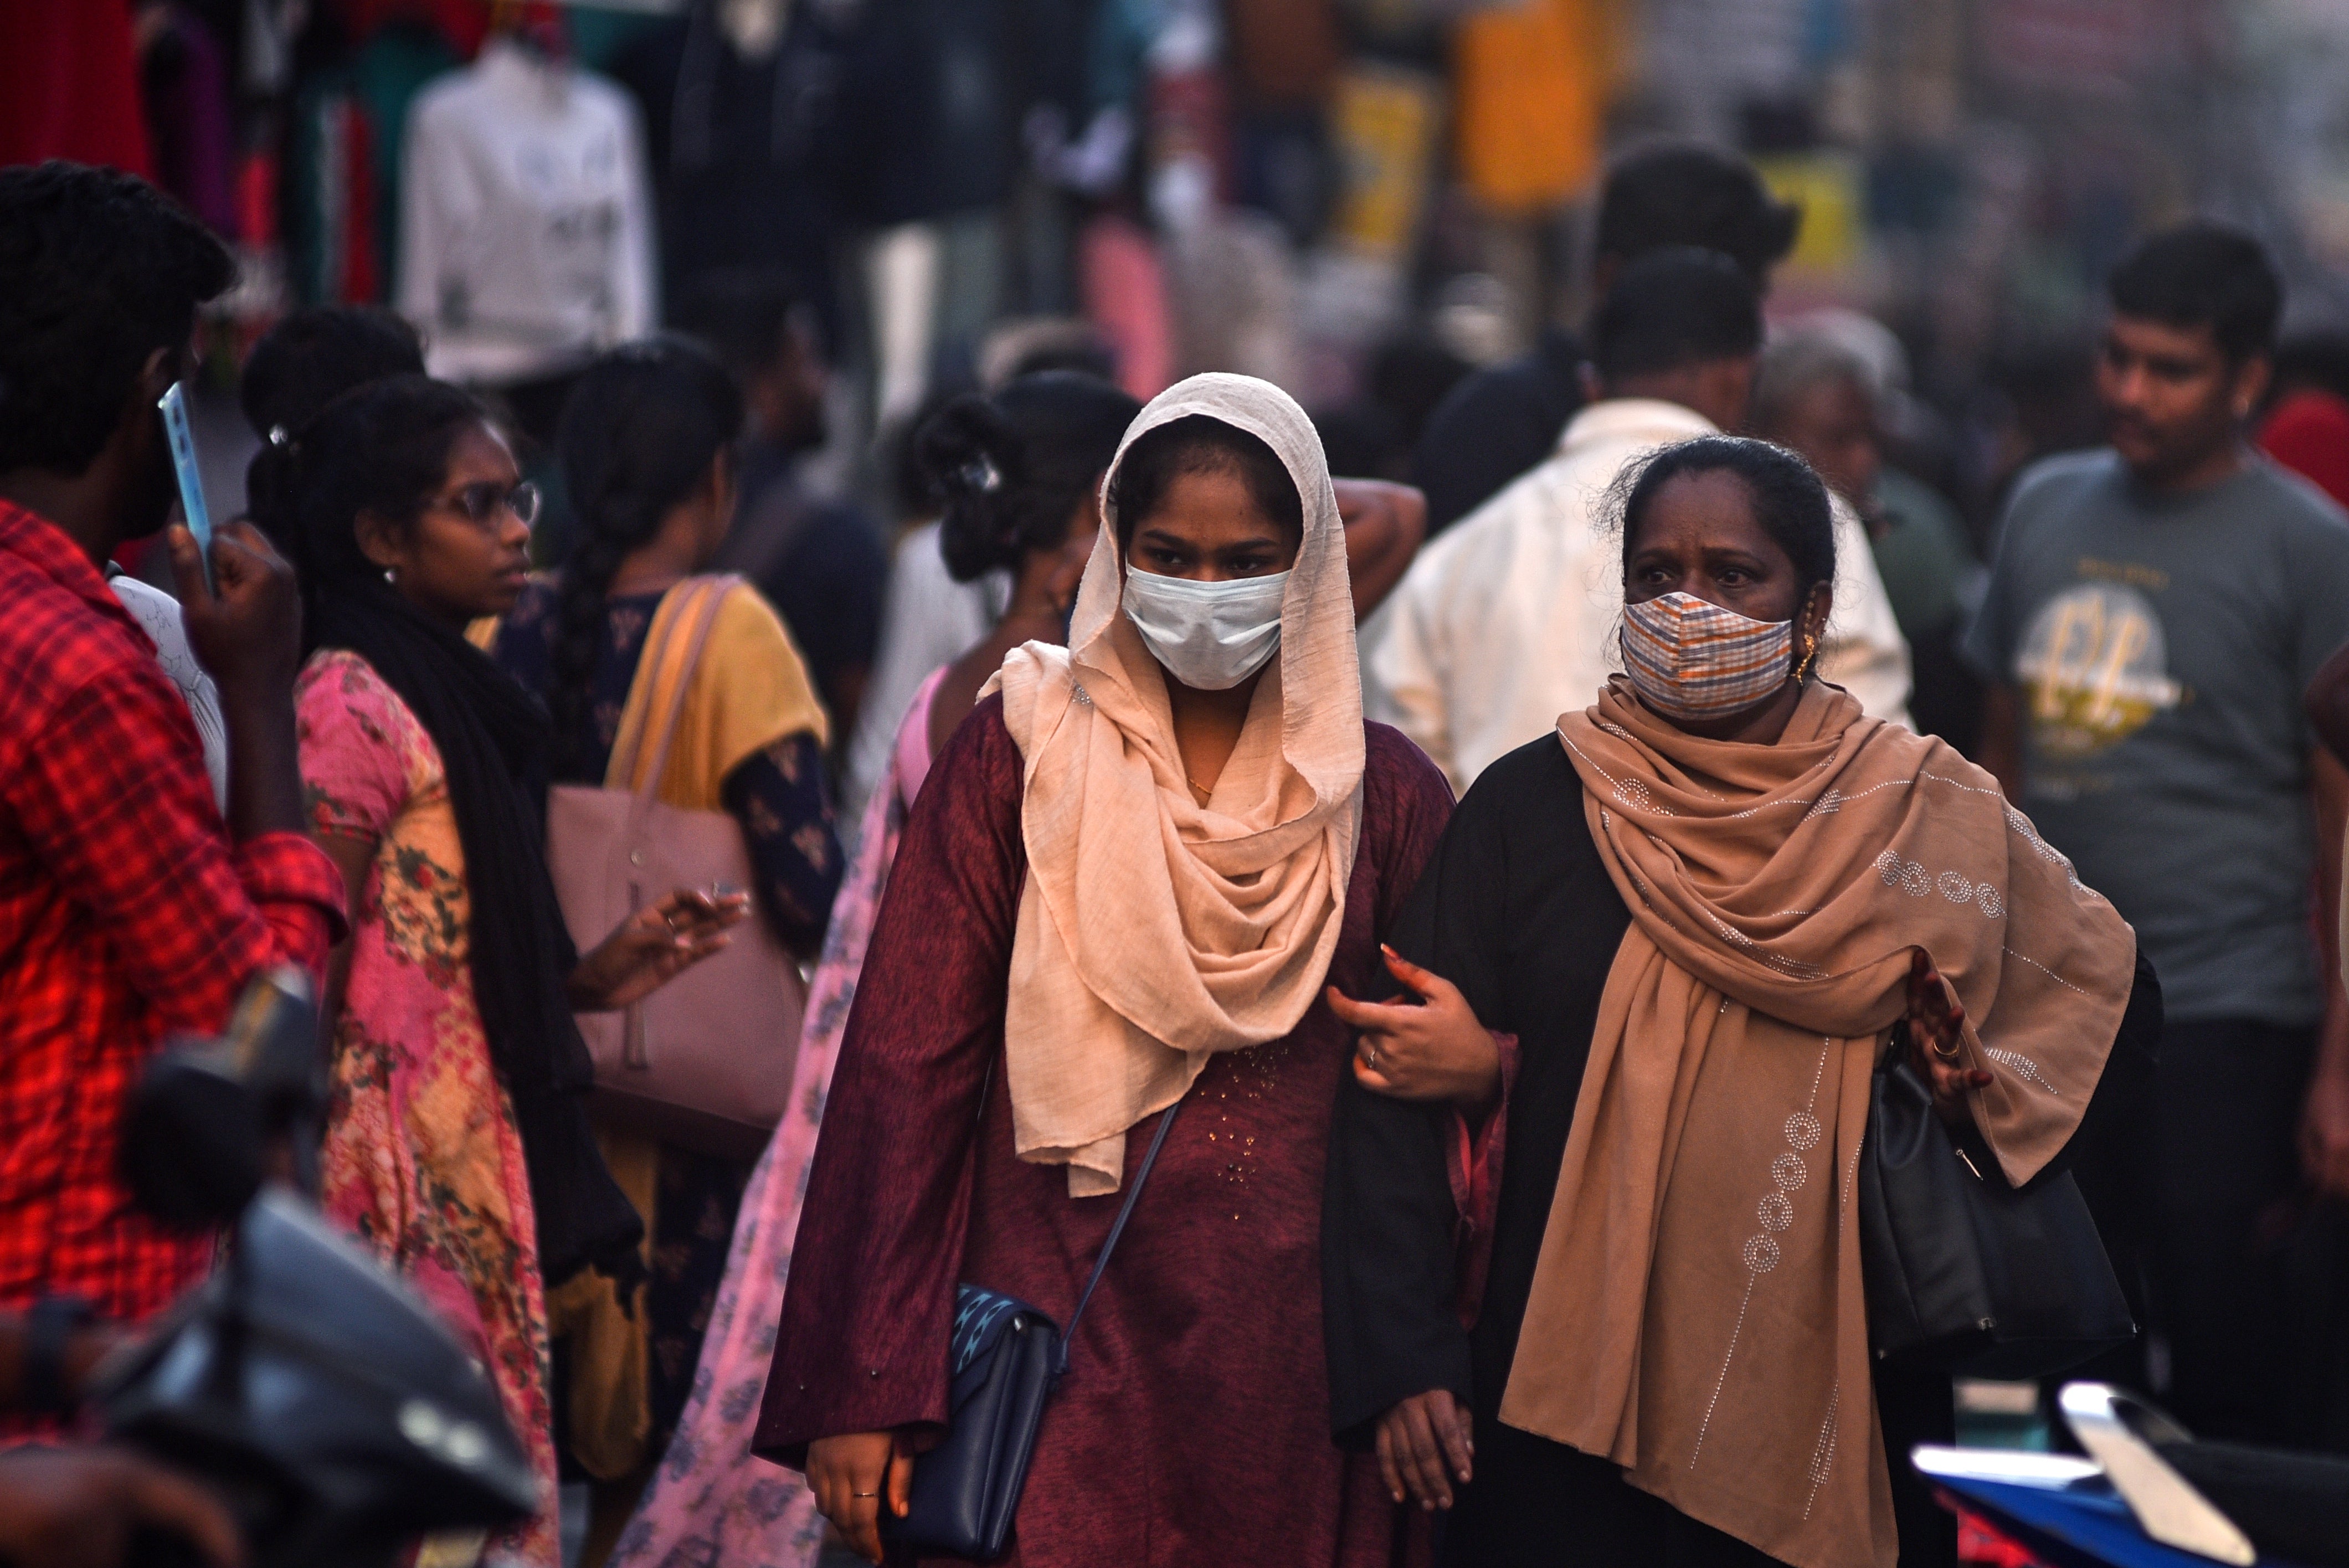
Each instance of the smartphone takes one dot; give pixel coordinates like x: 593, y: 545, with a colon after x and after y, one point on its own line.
x: 175, y: 405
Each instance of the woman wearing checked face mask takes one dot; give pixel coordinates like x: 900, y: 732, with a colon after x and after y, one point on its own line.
x: 1677, y: 933
x: 1118, y: 897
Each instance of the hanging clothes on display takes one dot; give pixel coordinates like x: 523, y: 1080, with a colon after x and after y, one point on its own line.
x: 739, y: 100
x: 183, y: 82
x: 526, y: 218
x: 69, y: 87
x: 343, y: 155
x: 330, y: 201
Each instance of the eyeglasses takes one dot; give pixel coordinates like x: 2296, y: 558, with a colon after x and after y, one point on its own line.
x: 478, y: 503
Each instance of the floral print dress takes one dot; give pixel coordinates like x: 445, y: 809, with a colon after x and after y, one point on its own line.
x: 422, y: 1160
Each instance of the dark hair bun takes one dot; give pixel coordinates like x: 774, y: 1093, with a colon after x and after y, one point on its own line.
x: 1015, y: 468
x: 972, y: 455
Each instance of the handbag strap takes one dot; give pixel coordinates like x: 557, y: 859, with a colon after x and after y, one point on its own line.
x: 1108, y: 1245
x: 697, y: 616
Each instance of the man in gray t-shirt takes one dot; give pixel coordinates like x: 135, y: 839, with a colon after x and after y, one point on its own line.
x: 2155, y: 645
x: 2155, y: 611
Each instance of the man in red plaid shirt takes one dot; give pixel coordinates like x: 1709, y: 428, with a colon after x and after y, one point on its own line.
x: 129, y: 909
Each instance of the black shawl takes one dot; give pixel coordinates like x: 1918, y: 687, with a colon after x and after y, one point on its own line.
x: 493, y: 738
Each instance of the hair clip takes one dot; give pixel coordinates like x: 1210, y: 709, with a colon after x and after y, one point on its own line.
x: 980, y: 476
x: 278, y: 438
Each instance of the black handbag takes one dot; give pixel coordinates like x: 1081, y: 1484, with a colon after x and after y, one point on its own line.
x: 1963, y: 1270
x: 1004, y: 1359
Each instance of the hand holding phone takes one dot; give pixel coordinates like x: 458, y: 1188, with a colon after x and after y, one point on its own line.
x: 174, y: 407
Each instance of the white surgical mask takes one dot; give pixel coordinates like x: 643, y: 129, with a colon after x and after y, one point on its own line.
x: 1690, y: 658
x: 1210, y: 635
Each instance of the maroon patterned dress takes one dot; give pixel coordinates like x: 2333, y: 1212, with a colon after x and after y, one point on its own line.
x: 1194, y: 1426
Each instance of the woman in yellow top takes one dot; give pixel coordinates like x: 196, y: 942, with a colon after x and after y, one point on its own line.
x: 648, y: 453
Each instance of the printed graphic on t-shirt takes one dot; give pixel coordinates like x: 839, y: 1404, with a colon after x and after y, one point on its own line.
x: 2096, y: 666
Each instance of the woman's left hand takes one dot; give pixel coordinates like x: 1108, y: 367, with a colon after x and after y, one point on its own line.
x: 1430, y: 1049
x: 1937, y: 1036
x: 654, y: 947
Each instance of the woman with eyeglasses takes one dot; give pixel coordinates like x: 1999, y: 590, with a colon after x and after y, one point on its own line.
x: 457, y: 1142
x: 646, y: 446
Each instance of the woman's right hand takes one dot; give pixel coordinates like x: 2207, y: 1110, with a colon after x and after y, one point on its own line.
x: 849, y: 1476
x: 1424, y: 1444
x: 654, y: 947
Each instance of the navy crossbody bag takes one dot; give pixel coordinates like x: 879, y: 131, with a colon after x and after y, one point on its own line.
x: 1004, y: 1357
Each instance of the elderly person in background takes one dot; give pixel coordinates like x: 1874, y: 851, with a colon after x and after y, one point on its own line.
x: 1816, y: 395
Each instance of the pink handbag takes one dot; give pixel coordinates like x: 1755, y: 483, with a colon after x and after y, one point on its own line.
x: 705, y: 1062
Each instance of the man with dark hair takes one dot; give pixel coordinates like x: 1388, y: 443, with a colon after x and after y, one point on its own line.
x: 129, y: 909
x: 1508, y: 619
x: 818, y: 560
x: 1499, y: 422
x: 2156, y: 610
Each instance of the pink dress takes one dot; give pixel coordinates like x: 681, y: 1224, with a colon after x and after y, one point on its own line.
x: 711, y: 1502
x: 422, y: 1161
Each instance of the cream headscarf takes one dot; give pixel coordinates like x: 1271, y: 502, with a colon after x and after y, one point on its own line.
x: 1153, y: 931
x: 1697, y: 1313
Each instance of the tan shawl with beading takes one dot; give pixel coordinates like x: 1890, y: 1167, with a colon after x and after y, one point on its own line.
x: 1697, y: 1313
x: 1154, y: 931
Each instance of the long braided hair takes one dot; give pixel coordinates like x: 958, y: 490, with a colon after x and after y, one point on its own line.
x: 639, y: 433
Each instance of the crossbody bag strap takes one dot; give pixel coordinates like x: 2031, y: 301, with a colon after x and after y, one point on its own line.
x: 1108, y: 1245
x: 696, y: 618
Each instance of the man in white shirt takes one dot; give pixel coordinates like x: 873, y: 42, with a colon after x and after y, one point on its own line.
x: 1509, y: 619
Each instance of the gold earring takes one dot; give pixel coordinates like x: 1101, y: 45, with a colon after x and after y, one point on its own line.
x: 1810, y: 652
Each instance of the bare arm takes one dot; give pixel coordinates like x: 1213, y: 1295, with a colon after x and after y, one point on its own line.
x: 249, y: 638
x: 2324, y: 1127
x: 2326, y: 704
x: 1385, y: 525
x: 2002, y: 738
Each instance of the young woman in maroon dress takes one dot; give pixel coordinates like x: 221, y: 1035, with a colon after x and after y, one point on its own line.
x: 1124, y: 886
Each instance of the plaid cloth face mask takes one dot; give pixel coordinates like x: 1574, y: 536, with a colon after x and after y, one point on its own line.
x: 1689, y: 658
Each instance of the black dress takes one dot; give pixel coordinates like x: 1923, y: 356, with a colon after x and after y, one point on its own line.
x: 1517, y: 910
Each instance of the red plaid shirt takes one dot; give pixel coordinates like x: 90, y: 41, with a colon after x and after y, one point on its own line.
x: 126, y: 916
